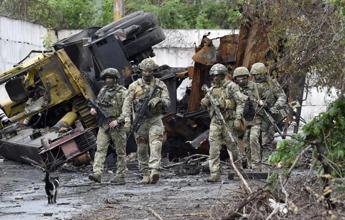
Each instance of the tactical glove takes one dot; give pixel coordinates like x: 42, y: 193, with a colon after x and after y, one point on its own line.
x: 238, y: 125
x: 153, y: 102
x: 274, y: 110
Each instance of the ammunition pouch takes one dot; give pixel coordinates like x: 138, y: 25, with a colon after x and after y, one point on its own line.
x: 249, y: 110
x: 230, y: 104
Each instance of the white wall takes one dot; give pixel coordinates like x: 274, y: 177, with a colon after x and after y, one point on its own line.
x: 17, y: 39
x: 179, y: 46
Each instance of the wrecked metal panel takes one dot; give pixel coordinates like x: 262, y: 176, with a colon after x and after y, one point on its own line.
x: 226, y: 52
x: 67, y: 148
x: 200, y: 77
x: 17, y: 152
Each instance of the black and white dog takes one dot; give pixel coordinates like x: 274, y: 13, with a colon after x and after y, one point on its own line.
x: 52, y: 184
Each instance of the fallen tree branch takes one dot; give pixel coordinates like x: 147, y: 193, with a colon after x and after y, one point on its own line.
x: 238, y: 173
x: 235, y: 213
x: 294, y: 164
x: 155, y: 214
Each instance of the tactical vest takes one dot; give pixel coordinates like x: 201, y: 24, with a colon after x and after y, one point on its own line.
x: 220, y: 93
x: 142, y: 90
x: 111, y: 100
x: 266, y: 93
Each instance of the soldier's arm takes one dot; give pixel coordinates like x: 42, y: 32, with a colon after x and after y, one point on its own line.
x: 233, y: 90
x: 205, y: 102
x: 123, y: 117
x: 165, y: 98
x: 279, y: 94
x: 128, y: 101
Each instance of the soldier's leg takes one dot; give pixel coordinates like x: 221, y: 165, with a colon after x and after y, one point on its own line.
x: 231, y: 146
x: 255, y: 147
x: 119, y: 140
x: 246, y: 143
x: 142, y: 140
x: 267, y: 133
x: 103, y: 141
x: 215, y: 140
x: 156, y: 138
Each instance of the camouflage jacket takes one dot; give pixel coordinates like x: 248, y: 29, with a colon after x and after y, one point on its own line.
x: 230, y: 100
x: 111, y: 100
x: 139, y: 90
x: 272, y: 93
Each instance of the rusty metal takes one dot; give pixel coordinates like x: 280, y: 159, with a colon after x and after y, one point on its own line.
x: 227, y: 50
x: 205, y: 52
x: 200, y: 77
x: 67, y: 148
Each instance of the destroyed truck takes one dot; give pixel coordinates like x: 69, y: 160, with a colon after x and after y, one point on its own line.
x: 47, y: 104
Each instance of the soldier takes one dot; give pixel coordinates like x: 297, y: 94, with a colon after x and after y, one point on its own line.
x: 113, y: 130
x: 253, y: 120
x: 230, y: 101
x: 271, y: 96
x: 149, y: 136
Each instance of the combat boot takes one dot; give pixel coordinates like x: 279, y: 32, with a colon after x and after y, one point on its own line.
x: 213, y: 178
x: 154, y: 176
x: 95, y: 177
x: 146, y: 177
x: 118, y: 181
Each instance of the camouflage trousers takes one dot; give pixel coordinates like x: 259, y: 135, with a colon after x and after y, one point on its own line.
x: 251, y: 139
x: 267, y: 133
x: 217, y: 138
x: 117, y: 139
x: 149, y: 140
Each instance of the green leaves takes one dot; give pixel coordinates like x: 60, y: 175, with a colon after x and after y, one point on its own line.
x: 185, y: 14
x: 77, y: 14
x: 328, y: 129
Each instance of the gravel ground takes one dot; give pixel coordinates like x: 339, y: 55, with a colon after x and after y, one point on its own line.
x: 22, y: 195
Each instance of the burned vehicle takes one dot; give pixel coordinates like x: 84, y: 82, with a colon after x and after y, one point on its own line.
x: 48, y: 95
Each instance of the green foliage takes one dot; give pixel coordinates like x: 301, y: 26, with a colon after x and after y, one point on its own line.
x: 76, y: 14
x: 328, y: 129
x: 190, y: 14
x: 59, y: 14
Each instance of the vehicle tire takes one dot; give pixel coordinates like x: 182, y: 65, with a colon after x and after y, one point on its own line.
x: 142, y: 19
x: 143, y: 42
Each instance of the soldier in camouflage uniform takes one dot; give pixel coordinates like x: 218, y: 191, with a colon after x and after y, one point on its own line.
x: 253, y: 123
x: 271, y: 96
x: 230, y: 102
x: 149, y: 137
x: 112, y: 131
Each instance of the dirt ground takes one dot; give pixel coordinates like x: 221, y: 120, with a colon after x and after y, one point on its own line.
x: 22, y: 195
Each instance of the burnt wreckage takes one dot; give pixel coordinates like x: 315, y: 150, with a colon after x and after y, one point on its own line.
x: 48, y: 95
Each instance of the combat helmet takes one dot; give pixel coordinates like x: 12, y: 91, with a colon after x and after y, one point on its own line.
x: 148, y: 64
x: 241, y: 71
x: 258, y: 68
x: 218, y: 69
x: 111, y: 73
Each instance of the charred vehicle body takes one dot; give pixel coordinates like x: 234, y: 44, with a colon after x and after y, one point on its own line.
x: 48, y: 94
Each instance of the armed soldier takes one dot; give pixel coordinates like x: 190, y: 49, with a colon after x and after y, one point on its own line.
x: 149, y: 133
x: 252, y: 116
x: 112, y: 130
x: 229, y: 100
x: 271, y: 96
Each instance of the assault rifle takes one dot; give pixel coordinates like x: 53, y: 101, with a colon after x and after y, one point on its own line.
x: 219, y: 114
x: 142, y: 113
x: 102, y: 117
x: 267, y: 114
